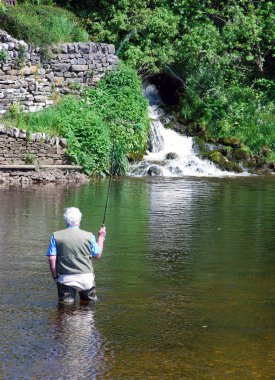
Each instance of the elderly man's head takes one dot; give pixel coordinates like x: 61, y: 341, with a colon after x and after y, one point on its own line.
x: 72, y: 216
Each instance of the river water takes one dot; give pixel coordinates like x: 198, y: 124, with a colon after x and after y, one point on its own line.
x: 185, y: 286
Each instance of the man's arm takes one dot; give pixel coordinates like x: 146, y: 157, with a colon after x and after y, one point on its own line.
x: 100, y: 242
x: 52, y: 265
x: 51, y: 253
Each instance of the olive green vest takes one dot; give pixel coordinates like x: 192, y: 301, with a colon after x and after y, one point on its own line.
x: 73, y: 251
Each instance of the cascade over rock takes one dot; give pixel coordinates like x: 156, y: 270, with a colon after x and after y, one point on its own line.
x: 169, y: 153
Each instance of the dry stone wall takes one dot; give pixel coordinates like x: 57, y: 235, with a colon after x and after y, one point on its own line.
x: 35, y: 158
x: 18, y: 148
x: 31, y: 81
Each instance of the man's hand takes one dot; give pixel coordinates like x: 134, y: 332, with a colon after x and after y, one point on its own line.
x: 102, y: 231
x: 100, y: 241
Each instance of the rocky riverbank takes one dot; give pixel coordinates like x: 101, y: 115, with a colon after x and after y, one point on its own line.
x: 20, y: 177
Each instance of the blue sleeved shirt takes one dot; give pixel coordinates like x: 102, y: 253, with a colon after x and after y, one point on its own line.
x: 95, y: 249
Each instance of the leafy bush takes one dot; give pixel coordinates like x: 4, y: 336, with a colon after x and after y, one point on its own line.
x: 119, y: 100
x: 235, y: 111
x: 226, y: 89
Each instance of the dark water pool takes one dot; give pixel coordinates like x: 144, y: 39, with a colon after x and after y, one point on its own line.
x: 186, y: 286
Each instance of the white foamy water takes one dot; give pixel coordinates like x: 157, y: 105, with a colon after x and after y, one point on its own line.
x: 171, y: 154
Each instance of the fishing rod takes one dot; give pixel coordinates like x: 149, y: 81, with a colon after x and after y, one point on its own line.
x: 110, y: 180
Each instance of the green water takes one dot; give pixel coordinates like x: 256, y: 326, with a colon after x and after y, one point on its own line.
x: 185, y: 287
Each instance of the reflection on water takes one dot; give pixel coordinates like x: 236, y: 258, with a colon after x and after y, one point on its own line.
x: 78, y: 350
x: 66, y: 345
x: 186, y: 286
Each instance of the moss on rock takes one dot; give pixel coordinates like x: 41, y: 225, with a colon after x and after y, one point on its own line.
x: 239, y: 154
x: 225, y: 164
x: 230, y: 141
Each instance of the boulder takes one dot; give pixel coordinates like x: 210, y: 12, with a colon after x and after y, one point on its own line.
x: 172, y: 156
x: 154, y: 171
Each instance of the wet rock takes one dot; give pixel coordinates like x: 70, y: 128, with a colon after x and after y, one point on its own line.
x: 224, y: 163
x: 154, y: 171
x: 239, y: 154
x: 172, y: 156
x: 132, y: 157
x: 176, y: 170
x: 216, y: 156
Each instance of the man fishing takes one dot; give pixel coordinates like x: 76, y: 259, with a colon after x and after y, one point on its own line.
x: 70, y: 255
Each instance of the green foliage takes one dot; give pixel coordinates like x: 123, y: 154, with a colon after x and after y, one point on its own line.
x: 29, y: 158
x: 21, y: 54
x: 243, y: 113
x: 224, y: 59
x: 120, y: 162
x: 119, y: 99
x: 15, y: 109
x: 114, y: 112
x: 87, y: 135
x: 143, y: 31
x: 3, y: 55
x: 42, y: 25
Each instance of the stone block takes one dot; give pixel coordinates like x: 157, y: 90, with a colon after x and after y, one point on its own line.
x: 63, y: 48
x: 81, y: 61
x: 63, y: 142
x: 50, y: 75
x: 84, y: 48
x: 26, y: 71
x: 41, y: 72
x: 46, y: 161
x: 78, y: 68
x: 40, y: 99
x: 61, y: 67
x: 58, y: 81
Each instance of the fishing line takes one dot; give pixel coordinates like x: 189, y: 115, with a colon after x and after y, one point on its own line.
x: 110, y: 180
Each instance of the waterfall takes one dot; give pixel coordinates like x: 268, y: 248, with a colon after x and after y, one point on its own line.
x: 169, y: 153
x: 156, y: 139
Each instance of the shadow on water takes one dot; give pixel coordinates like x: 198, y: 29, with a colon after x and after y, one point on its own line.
x: 185, y: 288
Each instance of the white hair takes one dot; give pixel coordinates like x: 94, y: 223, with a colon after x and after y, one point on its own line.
x: 72, y: 216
